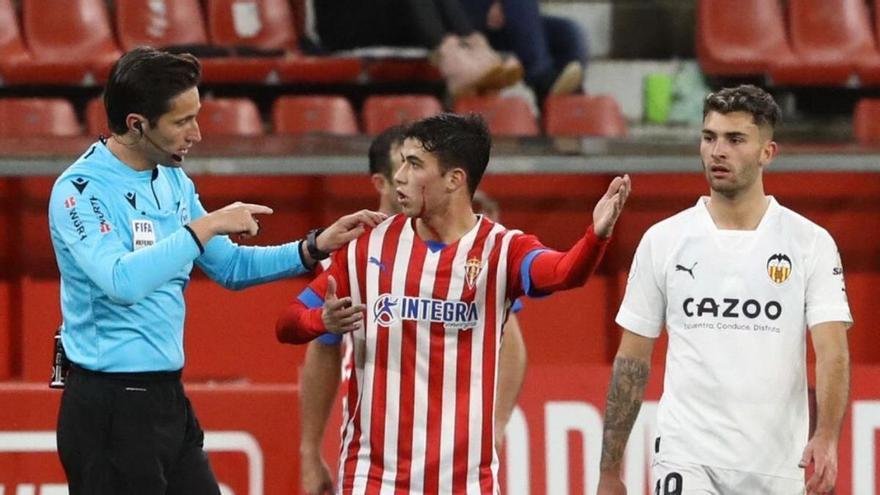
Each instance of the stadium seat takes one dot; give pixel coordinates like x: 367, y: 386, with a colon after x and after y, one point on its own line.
x: 70, y: 32
x: 17, y: 66
x: 582, y: 115
x: 829, y: 40
x: 382, y: 112
x: 230, y: 117
x: 96, y: 118
x: 866, y: 121
x: 869, y: 69
x: 740, y: 38
x: 268, y: 26
x: 505, y: 116
x: 37, y: 117
x: 12, y: 50
x: 314, y: 114
x: 159, y: 24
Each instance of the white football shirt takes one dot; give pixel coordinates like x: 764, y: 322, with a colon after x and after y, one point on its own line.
x: 736, y: 305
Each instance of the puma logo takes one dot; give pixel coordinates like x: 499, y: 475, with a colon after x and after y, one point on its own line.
x: 690, y: 270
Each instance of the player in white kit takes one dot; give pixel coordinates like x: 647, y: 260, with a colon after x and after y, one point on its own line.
x: 737, y: 280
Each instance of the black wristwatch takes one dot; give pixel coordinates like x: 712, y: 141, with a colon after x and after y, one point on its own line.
x: 312, y: 245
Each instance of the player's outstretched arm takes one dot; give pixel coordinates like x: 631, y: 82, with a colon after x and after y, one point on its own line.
x: 553, y: 270
x: 610, y: 205
x: 319, y: 381
x: 832, y: 395
x: 299, y: 324
x: 625, y: 393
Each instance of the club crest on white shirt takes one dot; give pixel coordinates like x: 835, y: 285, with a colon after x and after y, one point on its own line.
x: 779, y: 268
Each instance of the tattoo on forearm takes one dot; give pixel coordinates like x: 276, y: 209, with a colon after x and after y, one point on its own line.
x: 622, y: 405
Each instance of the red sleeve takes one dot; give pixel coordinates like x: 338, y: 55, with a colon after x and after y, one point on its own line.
x: 302, y: 320
x: 542, y: 270
x: 299, y: 324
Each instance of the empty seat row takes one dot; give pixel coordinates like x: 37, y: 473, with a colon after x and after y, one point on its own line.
x: 72, y: 41
x: 569, y: 115
x: 818, y: 43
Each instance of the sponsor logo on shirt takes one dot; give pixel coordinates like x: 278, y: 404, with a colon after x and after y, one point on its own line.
x: 131, y: 197
x: 779, y: 268
x: 80, y: 184
x: 102, y: 219
x: 70, y: 202
x: 459, y: 315
x: 77, y: 224
x: 690, y: 271
x: 374, y: 261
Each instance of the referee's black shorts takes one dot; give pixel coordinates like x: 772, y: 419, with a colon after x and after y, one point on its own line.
x: 133, y: 434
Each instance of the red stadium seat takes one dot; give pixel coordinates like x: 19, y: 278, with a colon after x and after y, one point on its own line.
x: 869, y: 69
x: 96, y: 118
x: 70, y: 32
x: 582, y: 115
x: 17, y: 66
x: 230, y: 117
x: 866, y: 121
x: 314, y: 114
x: 269, y: 25
x: 506, y: 116
x: 159, y: 24
x: 40, y: 117
x: 829, y: 40
x: 12, y: 50
x: 736, y: 38
x: 382, y: 112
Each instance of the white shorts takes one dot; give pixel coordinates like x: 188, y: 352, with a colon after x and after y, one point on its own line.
x: 674, y: 478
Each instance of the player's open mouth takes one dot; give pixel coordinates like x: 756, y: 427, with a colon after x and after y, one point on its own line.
x: 401, y: 198
x: 719, y: 171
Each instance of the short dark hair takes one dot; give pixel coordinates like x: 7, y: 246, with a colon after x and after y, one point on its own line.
x: 457, y: 141
x: 380, y: 150
x: 745, y: 98
x: 144, y: 81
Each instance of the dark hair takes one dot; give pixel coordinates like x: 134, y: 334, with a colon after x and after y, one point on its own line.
x: 457, y: 141
x: 144, y: 81
x: 380, y: 150
x: 745, y: 98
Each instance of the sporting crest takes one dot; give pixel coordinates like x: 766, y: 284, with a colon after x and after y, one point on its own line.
x: 472, y: 271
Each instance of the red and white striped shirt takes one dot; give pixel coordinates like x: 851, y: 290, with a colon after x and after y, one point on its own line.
x: 421, y: 398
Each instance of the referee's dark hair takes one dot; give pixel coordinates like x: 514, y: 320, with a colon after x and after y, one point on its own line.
x: 380, y: 151
x: 457, y: 141
x: 745, y: 98
x: 144, y: 81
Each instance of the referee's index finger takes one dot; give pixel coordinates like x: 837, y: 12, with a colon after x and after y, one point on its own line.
x: 257, y: 209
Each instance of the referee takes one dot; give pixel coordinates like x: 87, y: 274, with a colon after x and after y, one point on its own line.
x: 127, y: 226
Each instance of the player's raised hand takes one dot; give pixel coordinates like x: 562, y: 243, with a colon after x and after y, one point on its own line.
x: 608, y: 209
x: 348, y: 228
x: 821, y: 452
x: 340, y: 315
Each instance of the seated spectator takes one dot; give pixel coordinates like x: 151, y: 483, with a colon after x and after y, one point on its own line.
x: 464, y: 57
x: 553, y: 50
